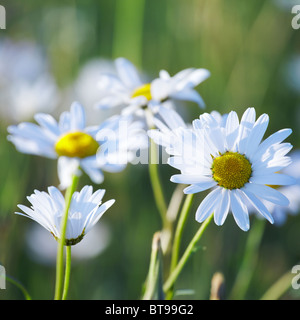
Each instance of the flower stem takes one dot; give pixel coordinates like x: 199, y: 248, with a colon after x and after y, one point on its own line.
x: 19, y: 285
x: 154, y: 282
x: 61, y: 241
x: 179, y: 230
x: 156, y: 185
x: 191, y: 247
x: 67, y: 272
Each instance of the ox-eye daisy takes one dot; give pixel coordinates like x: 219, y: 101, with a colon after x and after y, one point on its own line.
x: 127, y: 89
x: 106, y: 147
x: 236, y: 164
x: 85, y: 210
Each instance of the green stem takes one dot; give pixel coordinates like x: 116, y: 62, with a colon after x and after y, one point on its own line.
x: 61, y: 242
x: 154, y: 280
x: 67, y: 272
x: 191, y: 247
x: 179, y: 230
x: 156, y: 185
x: 20, y: 286
x: 249, y: 261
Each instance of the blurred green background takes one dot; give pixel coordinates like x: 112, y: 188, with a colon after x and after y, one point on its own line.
x: 251, y: 50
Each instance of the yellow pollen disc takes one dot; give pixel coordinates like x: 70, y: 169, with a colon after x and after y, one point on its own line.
x: 76, y: 145
x: 231, y: 170
x: 144, y: 90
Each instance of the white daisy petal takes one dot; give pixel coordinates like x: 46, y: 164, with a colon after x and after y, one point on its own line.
x: 66, y: 168
x: 246, y: 125
x: 77, y: 117
x: 274, y: 179
x: 93, y: 170
x: 207, y: 206
x: 196, y: 77
x: 172, y: 118
x: 48, y: 122
x: 239, y: 210
x: 258, y: 205
x: 257, y: 134
x: 222, y: 209
x: 128, y: 73
x: 273, y: 139
x: 231, y: 130
x: 189, y: 95
x: 190, y: 179
x: 195, y: 188
x: 267, y: 193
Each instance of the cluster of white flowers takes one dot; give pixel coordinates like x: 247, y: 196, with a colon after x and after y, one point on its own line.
x: 216, y: 152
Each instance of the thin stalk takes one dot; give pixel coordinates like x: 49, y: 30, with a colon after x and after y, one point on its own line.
x: 179, y: 230
x: 61, y: 242
x: 67, y: 273
x: 156, y: 185
x: 19, y: 285
x: 188, y: 252
x: 154, y: 280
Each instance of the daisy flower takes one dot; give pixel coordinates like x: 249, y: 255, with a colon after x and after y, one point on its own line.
x: 107, y: 147
x: 129, y: 90
x: 236, y: 164
x: 86, y: 209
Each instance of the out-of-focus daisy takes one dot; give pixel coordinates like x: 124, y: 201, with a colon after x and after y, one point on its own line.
x: 26, y: 83
x: 129, y: 90
x: 235, y: 162
x: 86, y: 209
x: 107, y: 147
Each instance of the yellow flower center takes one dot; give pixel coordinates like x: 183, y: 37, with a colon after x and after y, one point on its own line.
x: 144, y: 90
x: 231, y: 170
x: 76, y: 145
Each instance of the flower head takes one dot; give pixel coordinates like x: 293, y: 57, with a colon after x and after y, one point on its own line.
x: 92, y: 149
x: 129, y: 90
x: 230, y: 157
x: 86, y: 209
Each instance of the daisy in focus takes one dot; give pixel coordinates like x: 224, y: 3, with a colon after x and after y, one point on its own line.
x: 235, y: 163
x: 109, y: 146
x: 128, y: 90
x: 86, y: 209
